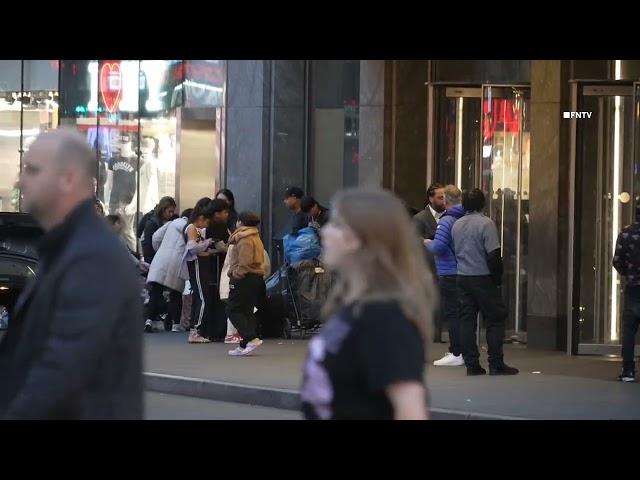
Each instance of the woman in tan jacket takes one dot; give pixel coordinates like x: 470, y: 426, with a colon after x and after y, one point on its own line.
x: 246, y: 286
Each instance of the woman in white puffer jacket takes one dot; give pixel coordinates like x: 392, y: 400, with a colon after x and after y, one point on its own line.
x: 164, y: 272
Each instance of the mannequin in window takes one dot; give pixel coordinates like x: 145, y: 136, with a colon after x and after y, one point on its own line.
x: 149, y: 194
x: 123, y: 190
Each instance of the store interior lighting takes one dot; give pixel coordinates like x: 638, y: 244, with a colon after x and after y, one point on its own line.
x: 617, y: 153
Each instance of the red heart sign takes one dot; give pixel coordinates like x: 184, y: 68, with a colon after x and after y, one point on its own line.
x: 111, y: 85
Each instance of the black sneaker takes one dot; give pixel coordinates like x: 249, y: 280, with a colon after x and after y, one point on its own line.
x: 503, y: 370
x: 475, y: 370
x: 627, y: 377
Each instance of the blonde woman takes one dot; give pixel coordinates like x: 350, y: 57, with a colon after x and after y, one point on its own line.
x: 368, y: 361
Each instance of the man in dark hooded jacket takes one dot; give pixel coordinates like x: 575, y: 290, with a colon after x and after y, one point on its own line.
x: 626, y: 261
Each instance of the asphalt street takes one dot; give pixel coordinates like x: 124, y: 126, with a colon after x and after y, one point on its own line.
x: 160, y: 406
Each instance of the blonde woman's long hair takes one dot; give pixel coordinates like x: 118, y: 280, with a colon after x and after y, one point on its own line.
x: 391, y: 261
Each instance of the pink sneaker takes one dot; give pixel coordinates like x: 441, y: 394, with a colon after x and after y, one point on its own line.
x: 232, y: 339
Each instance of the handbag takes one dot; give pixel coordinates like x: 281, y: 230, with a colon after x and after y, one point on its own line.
x: 224, y: 276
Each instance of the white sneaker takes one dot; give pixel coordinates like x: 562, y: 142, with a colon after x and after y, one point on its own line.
x: 251, y: 346
x: 450, y: 360
x: 148, y: 326
x: 178, y: 328
x: 158, y: 326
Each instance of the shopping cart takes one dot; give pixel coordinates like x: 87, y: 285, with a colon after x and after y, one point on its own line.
x: 301, y: 316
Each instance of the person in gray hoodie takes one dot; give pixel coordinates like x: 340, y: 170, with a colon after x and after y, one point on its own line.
x: 164, y: 271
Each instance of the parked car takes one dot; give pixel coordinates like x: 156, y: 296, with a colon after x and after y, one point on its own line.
x: 19, y: 235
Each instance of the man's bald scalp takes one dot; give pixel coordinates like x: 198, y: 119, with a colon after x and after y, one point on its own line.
x: 69, y: 149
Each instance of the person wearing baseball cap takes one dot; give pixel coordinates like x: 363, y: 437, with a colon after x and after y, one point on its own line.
x: 293, y: 201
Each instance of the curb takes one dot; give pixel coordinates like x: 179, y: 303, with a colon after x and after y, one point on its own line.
x: 281, y: 398
x: 222, y: 391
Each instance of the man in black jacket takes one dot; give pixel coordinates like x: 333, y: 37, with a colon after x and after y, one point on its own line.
x: 627, y: 262
x: 318, y: 215
x: 477, y: 250
x: 74, y: 345
x: 427, y: 220
x: 293, y: 201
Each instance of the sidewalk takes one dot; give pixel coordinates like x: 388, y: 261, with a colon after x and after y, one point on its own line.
x: 566, y: 387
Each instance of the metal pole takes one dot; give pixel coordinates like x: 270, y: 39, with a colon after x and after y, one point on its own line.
x: 21, y: 151
x: 138, y: 163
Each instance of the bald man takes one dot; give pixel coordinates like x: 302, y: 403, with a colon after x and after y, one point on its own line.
x: 74, y: 345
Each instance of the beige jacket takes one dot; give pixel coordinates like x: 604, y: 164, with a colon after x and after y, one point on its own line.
x: 224, y: 277
x: 247, y: 256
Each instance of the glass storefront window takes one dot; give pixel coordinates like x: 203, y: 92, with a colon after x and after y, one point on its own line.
x: 9, y: 149
x: 505, y: 181
x: 458, y: 135
x: 127, y: 109
x: 118, y: 139
x: 204, y: 83
x: 28, y: 106
x: 78, y: 92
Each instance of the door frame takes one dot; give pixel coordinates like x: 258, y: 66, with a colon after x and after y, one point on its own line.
x: 593, y: 88
x: 468, y: 90
x: 479, y: 179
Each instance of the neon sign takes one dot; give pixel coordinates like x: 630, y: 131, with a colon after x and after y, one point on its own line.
x: 111, y: 85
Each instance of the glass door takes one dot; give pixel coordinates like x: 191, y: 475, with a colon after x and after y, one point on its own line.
x: 455, y: 139
x: 504, y: 178
x: 605, y: 172
x: 457, y: 131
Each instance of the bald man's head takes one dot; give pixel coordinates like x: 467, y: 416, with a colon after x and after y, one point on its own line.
x: 57, y: 174
x: 69, y: 150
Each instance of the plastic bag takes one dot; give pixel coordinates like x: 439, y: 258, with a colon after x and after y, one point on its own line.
x: 273, y: 282
x: 304, y: 246
x: 311, y: 284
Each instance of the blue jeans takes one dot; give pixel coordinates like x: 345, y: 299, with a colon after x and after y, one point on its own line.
x: 630, y: 322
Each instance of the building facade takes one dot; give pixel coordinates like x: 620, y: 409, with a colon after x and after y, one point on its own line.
x: 558, y: 188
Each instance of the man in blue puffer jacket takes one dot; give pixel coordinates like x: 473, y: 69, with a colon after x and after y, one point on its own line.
x: 442, y: 248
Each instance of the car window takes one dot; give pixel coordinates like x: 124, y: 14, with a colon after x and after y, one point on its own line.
x: 14, y: 274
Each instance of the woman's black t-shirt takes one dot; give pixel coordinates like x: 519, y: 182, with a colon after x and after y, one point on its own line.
x: 355, y: 358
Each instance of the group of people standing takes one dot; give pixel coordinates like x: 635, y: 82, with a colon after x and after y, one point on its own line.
x: 212, y: 257
x: 468, y: 259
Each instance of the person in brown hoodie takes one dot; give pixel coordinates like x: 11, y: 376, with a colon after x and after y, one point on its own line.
x: 246, y: 285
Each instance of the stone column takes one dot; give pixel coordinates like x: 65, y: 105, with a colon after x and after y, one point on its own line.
x: 374, y: 135
x: 548, y: 207
x: 265, y: 126
x: 409, y: 143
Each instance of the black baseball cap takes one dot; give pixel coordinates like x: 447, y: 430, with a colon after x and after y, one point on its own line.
x: 293, y: 192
